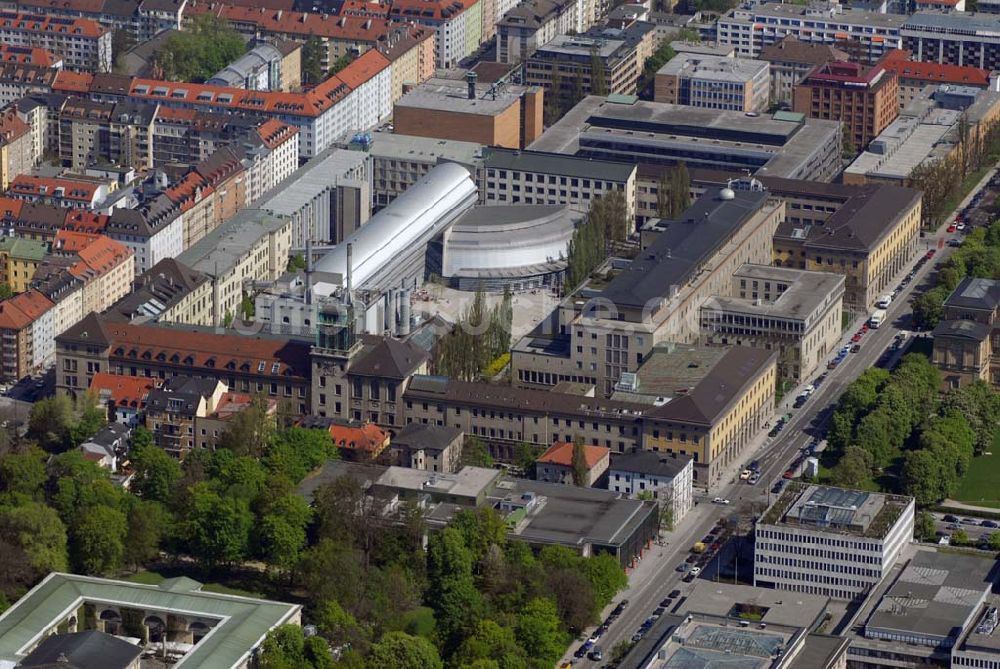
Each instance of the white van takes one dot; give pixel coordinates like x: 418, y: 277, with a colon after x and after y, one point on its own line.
x: 884, y: 302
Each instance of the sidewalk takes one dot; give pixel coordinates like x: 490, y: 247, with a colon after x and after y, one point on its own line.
x: 955, y: 504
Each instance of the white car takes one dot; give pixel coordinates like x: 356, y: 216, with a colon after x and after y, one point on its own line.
x: 720, y: 500
x: 809, y: 390
x: 745, y: 474
x: 695, y: 571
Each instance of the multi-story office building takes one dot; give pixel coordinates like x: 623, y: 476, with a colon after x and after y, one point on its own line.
x: 830, y: 541
x: 83, y: 44
x: 791, y: 311
x: 702, y: 403
x: 967, y: 340
x: 397, y: 162
x: 953, y: 38
x: 783, y: 144
x: 867, y: 233
x: 714, y: 82
x: 603, y: 330
x: 864, y: 99
x: 533, y: 177
x: 791, y: 60
x: 752, y: 28
x: 567, y: 65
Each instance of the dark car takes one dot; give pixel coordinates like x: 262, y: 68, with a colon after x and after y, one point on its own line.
x: 690, y: 577
x: 708, y: 538
x: 659, y: 611
x: 691, y: 559
x: 580, y: 652
x: 674, y: 594
x: 778, y: 486
x: 667, y: 602
x: 950, y: 518
x: 754, y: 466
x: 989, y: 523
x: 637, y: 637
x: 799, y: 402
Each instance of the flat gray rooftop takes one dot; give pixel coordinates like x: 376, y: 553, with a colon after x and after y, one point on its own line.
x: 452, y: 95
x: 781, y: 608
x: 806, y: 292
x: 423, y: 149
x: 821, y: 11
x: 556, y: 164
x: 836, y: 510
x: 320, y: 173
x: 220, y: 250
x: 934, y: 597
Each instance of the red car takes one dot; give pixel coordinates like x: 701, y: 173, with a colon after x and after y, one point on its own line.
x: 789, y: 474
x: 930, y: 254
x: 952, y: 228
x: 856, y: 338
x: 864, y: 328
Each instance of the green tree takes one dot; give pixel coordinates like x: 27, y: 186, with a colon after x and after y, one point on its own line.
x: 24, y: 474
x: 282, y: 531
x: 606, y: 577
x: 5, y: 290
x: 475, y: 453
x: 50, y: 421
x: 403, y: 651
x: 853, y: 470
x: 217, y: 528
x: 924, y: 477
x: 98, y: 540
x: 959, y: 537
x: 286, y: 647
x: 993, y: 541
x: 340, y: 627
x: 36, y: 530
x: 340, y: 64
x: 490, y: 642
x: 923, y: 526
x: 480, y: 528
x: 205, y: 45
x: 312, y: 64
x: 452, y: 593
x: 249, y: 431
x: 578, y: 465
x: 149, y: 525
x: 525, y: 455
x: 928, y: 308
x: 156, y: 473
x: 540, y: 633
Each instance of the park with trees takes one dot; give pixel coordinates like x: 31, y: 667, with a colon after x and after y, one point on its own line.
x: 232, y: 518
x: 201, y: 49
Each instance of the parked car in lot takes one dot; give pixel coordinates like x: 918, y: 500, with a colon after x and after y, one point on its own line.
x: 948, y: 518
x: 989, y: 523
x: 674, y: 594
x: 778, y: 486
x: 695, y: 571
x: 720, y: 500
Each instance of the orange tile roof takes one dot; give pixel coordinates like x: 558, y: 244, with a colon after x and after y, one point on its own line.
x: 561, y: 453
x: 440, y: 10
x: 72, y: 82
x: 70, y: 241
x: 302, y: 24
x: 29, y: 55
x: 32, y: 186
x: 39, y: 23
x: 274, y: 133
x: 99, y: 257
x: 21, y: 310
x: 189, y: 191
x: 125, y: 391
x: 10, y: 207
x: 368, y: 437
x: 898, y: 61
x: 85, y: 221
x: 364, y: 8
x: 363, y: 68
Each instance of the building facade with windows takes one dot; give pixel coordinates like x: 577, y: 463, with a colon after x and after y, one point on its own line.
x: 668, y: 478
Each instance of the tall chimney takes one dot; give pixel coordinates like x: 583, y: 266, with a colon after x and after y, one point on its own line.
x: 404, y: 314
x: 350, y: 263
x: 470, y: 79
x: 309, y: 271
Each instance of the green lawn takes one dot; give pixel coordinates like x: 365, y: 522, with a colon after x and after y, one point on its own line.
x: 981, y: 484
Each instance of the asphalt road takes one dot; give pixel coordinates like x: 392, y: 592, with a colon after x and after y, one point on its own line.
x: 656, y: 576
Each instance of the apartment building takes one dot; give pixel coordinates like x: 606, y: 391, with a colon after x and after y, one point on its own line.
x: 270, y: 158
x: 428, y: 448
x: 529, y: 25
x: 141, y: 20
x: 17, y: 81
x: 154, y: 231
x: 30, y: 55
x: 118, y: 133
x: 796, y: 313
x: 752, y: 28
x: 82, y: 43
x: 864, y: 99
x: 718, y: 401
x: 606, y: 329
x: 867, y: 233
x: 254, y: 363
x: 174, y: 407
x: 19, y: 258
x: 188, y: 136
x: 830, y: 541
x: 104, y: 266
x: 26, y: 334
x: 967, y: 340
x: 953, y: 38
x: 16, y: 155
x: 506, y: 115
x: 668, y: 478
x: 410, y: 50
x: 791, y: 59
x: 251, y: 246
x: 534, y: 177
x: 62, y: 192
x: 782, y: 144
x: 714, y: 82
x: 169, y: 292
x: 915, y: 76
x: 458, y: 25
x: 568, y: 64
x: 225, y: 173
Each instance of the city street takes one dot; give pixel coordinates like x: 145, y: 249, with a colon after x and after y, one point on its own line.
x: 656, y: 576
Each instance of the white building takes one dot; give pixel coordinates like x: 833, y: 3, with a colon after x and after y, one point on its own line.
x: 271, y: 158
x: 668, y: 477
x: 533, y: 23
x: 830, y: 541
x: 43, y: 337
x: 370, y: 99
x: 153, y: 233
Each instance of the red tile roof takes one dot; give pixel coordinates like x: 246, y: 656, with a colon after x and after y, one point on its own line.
x: 368, y: 437
x: 73, y: 242
x: 561, y: 453
x: 100, y: 256
x: 898, y: 61
x: 32, y: 186
x: 72, y: 82
x: 39, y: 23
x: 189, y: 191
x: 10, y: 207
x: 30, y: 55
x: 125, y: 391
x: 299, y: 24
x: 12, y: 127
x: 274, y: 133
x: 21, y: 310
x: 363, y: 68
x: 80, y: 220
